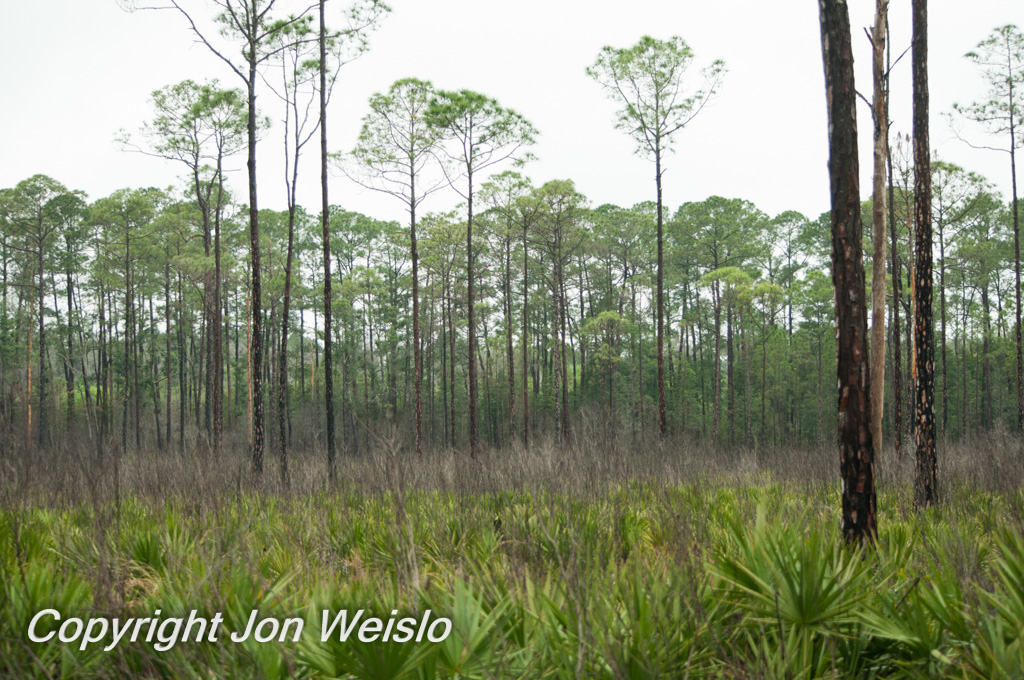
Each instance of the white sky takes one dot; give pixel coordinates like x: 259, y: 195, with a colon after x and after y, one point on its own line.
x: 75, y: 71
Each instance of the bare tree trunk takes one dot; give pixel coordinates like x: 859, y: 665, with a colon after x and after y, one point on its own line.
x: 509, y: 354
x: 925, y: 491
x: 28, y: 371
x: 1016, y: 260
x: 70, y: 391
x: 942, y: 326
x: 451, y: 365
x: 717, y: 387
x: 127, y: 344
x: 218, y: 321
x: 416, y: 349
x: 256, y: 342
x: 730, y: 386
x: 879, y: 109
x: 474, y: 432
x: 526, y: 306
x: 561, y: 297
x: 167, y: 348
x: 661, y: 304
x: 897, y: 294
x: 748, y: 432
x: 42, y: 354
x: 155, y: 371
x: 181, y: 369
x: 856, y: 448
x: 325, y: 217
x: 282, y: 369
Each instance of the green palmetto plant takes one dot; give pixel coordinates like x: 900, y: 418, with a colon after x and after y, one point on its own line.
x: 648, y: 627
x: 472, y: 649
x: 797, y: 592
x: 28, y: 590
x: 380, y: 660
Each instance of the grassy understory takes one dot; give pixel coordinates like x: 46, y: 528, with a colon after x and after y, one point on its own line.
x: 732, y: 568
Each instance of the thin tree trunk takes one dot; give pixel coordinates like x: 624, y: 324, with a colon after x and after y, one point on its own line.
x: 326, y: 221
x: 1016, y: 256
x: 42, y: 353
x: 717, y: 301
x: 181, y: 369
x: 282, y: 369
x: 474, y: 434
x: 878, y: 197
x: 70, y: 391
x: 508, y: 341
x: 167, y: 348
x: 416, y: 349
x: 28, y: 370
x: 451, y: 365
x: 942, y: 326
x: 257, y: 288
x: 925, y: 491
x: 218, y: 321
x: 525, y: 341
x: 661, y: 300
x: 155, y: 371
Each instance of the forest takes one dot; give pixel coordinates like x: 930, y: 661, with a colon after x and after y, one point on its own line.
x: 600, y: 438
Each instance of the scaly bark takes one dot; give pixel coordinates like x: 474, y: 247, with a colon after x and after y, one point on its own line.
x: 856, y: 448
x: 925, y: 491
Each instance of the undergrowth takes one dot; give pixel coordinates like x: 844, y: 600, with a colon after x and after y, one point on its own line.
x: 739, y: 577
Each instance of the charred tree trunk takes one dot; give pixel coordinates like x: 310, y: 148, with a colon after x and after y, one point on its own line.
x: 925, y: 492
x: 325, y: 217
x: 856, y: 448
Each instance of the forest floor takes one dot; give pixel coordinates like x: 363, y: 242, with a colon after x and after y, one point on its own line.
x: 645, y: 562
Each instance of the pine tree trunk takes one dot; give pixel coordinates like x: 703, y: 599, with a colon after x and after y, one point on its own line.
x: 42, y: 353
x: 509, y: 354
x: 717, y: 386
x: 256, y: 343
x: 942, y: 327
x: 451, y: 367
x: 878, y: 199
x: 218, y: 322
x: 897, y: 295
x: 70, y: 359
x: 474, y: 433
x: 525, y: 341
x: 925, y: 491
x: 1016, y: 258
x: 282, y: 368
x: 661, y: 304
x: 416, y: 349
x: 167, y: 346
x: 856, y: 459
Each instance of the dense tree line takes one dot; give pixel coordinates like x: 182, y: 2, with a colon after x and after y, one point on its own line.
x: 107, y: 316
x: 156, y: 317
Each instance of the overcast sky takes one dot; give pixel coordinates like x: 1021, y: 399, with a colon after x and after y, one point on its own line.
x: 76, y: 71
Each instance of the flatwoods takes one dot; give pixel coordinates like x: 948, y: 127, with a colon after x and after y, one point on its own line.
x: 721, y: 566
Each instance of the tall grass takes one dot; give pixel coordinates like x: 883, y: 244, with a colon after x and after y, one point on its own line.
x: 630, y: 562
